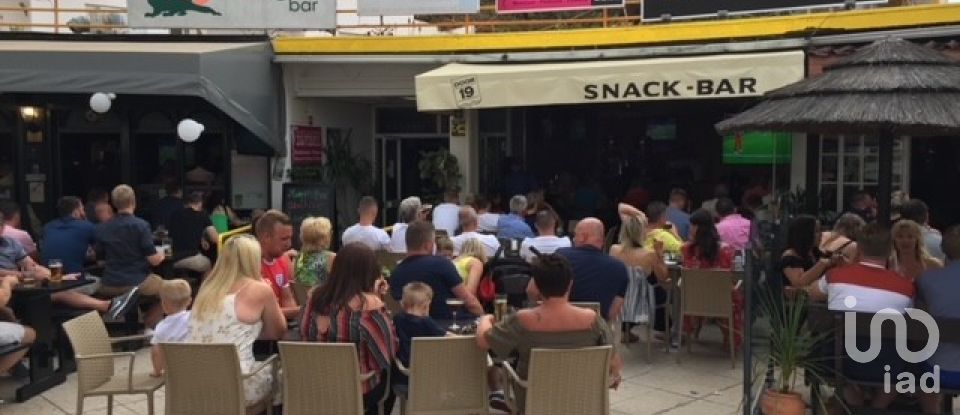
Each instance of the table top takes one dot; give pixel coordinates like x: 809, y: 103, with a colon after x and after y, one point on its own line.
x: 49, y: 287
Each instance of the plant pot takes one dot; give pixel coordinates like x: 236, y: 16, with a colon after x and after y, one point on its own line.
x: 777, y: 403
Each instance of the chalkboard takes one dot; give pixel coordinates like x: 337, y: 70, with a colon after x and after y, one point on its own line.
x: 303, y: 200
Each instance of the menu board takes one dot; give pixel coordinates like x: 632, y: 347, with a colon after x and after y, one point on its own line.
x: 307, y: 199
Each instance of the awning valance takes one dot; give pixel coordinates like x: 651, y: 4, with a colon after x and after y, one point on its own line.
x: 238, y: 78
x: 459, y: 86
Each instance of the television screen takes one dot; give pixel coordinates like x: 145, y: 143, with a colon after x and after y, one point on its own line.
x: 662, y: 129
x: 757, y: 148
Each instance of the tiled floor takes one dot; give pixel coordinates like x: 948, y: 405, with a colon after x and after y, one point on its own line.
x: 703, y: 383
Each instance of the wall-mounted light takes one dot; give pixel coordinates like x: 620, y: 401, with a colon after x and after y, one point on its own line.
x: 29, y: 114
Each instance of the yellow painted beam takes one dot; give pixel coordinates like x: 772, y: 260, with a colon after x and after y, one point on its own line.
x: 663, y: 33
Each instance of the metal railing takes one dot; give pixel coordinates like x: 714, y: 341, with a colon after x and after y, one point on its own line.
x: 485, y: 21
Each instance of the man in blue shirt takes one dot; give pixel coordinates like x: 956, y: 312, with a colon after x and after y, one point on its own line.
x: 677, y: 212
x: 69, y: 237
x: 512, y: 226
x: 126, y: 244
x: 421, y: 265
x: 597, y: 277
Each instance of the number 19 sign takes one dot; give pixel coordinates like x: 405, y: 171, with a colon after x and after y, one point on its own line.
x: 466, y: 91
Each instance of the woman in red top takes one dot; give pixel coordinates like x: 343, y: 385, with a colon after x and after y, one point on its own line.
x: 348, y: 309
x: 706, y: 251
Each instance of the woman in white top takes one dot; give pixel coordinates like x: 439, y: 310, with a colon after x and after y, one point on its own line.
x: 234, y: 305
x: 642, y: 262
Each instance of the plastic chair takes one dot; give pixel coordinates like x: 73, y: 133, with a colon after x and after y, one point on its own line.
x: 565, y: 382
x: 322, y: 375
x: 707, y: 293
x: 205, y: 378
x: 448, y: 375
x: 95, y: 363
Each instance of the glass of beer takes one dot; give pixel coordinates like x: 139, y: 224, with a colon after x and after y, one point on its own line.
x: 500, y: 307
x: 56, y: 270
x: 455, y: 305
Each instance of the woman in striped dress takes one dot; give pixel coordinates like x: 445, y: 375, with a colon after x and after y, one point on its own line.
x: 646, y: 267
x: 348, y: 309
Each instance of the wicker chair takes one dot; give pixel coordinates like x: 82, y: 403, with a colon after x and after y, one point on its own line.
x: 564, y: 382
x: 448, y: 375
x: 321, y: 375
x: 205, y: 378
x: 95, y: 363
x: 706, y: 293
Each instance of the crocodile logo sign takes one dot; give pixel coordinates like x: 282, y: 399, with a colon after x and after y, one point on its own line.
x: 232, y: 14
x: 178, y: 8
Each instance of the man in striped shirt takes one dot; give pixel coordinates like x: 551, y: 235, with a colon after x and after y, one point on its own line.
x: 868, y: 287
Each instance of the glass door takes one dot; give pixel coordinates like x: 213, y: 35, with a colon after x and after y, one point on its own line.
x: 852, y: 163
x: 399, y: 166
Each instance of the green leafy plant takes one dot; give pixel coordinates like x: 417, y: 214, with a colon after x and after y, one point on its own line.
x: 442, y: 168
x: 343, y: 167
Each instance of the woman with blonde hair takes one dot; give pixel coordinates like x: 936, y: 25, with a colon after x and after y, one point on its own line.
x: 642, y: 263
x: 315, y: 260
x: 910, y: 256
x: 235, y: 306
x: 470, y: 264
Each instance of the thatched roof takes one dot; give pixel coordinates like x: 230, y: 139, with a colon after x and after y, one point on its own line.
x: 891, y: 85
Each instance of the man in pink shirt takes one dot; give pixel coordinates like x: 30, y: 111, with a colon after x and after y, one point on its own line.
x: 734, y: 229
x: 11, y: 228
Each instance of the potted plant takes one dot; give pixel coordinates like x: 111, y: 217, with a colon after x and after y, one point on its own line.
x: 441, y: 168
x: 793, y: 348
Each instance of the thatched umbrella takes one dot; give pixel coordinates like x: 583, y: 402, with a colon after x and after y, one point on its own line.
x: 889, y: 88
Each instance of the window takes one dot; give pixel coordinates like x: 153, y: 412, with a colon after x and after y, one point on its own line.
x: 849, y: 164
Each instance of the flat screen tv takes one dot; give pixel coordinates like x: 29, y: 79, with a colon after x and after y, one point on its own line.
x: 662, y: 129
x: 757, y: 147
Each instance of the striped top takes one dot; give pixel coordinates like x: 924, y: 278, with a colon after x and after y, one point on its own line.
x: 372, y: 331
x: 871, y: 287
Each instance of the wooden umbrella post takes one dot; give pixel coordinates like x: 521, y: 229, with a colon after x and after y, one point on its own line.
x: 885, y: 176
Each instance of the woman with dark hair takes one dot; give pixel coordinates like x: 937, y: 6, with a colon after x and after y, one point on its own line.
x: 705, y: 250
x: 222, y: 215
x: 348, y: 309
x: 555, y: 323
x: 802, y: 262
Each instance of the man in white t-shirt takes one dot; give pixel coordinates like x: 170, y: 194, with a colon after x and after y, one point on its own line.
x: 364, y: 231
x: 486, y: 220
x: 446, y: 215
x: 547, y: 242
x: 469, y: 225
x: 411, y: 209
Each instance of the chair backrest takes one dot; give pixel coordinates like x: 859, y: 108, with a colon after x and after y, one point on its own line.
x: 226, y: 236
x: 301, y: 292
x: 706, y: 293
x: 321, y: 375
x: 88, y: 336
x: 591, y: 305
x: 203, y: 378
x: 388, y: 259
x: 569, y: 381
x: 448, y: 375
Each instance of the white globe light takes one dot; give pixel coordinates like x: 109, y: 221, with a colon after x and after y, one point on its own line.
x: 189, y: 130
x: 100, y: 102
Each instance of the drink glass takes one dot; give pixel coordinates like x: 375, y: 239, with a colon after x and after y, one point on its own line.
x: 455, y: 305
x: 56, y: 270
x: 500, y: 309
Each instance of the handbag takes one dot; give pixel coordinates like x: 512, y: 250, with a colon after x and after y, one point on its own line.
x: 487, y: 290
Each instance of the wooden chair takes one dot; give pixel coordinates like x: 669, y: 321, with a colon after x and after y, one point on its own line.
x: 564, y: 382
x: 448, y: 375
x: 206, y: 378
x: 322, y: 375
x: 96, y: 375
x: 707, y: 293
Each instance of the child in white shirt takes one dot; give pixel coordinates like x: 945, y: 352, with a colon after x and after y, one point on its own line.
x: 175, y: 298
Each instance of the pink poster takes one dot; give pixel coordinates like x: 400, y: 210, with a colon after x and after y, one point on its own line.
x: 533, y: 6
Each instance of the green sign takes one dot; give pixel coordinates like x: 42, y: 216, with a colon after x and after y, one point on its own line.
x: 757, y: 148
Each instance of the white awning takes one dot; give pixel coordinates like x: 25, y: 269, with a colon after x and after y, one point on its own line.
x: 460, y: 86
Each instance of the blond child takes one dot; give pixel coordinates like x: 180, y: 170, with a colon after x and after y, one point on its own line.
x: 445, y: 248
x: 414, y: 321
x: 175, y: 298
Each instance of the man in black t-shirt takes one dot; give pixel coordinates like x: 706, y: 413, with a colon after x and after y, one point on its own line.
x: 192, y: 232
x: 421, y: 265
